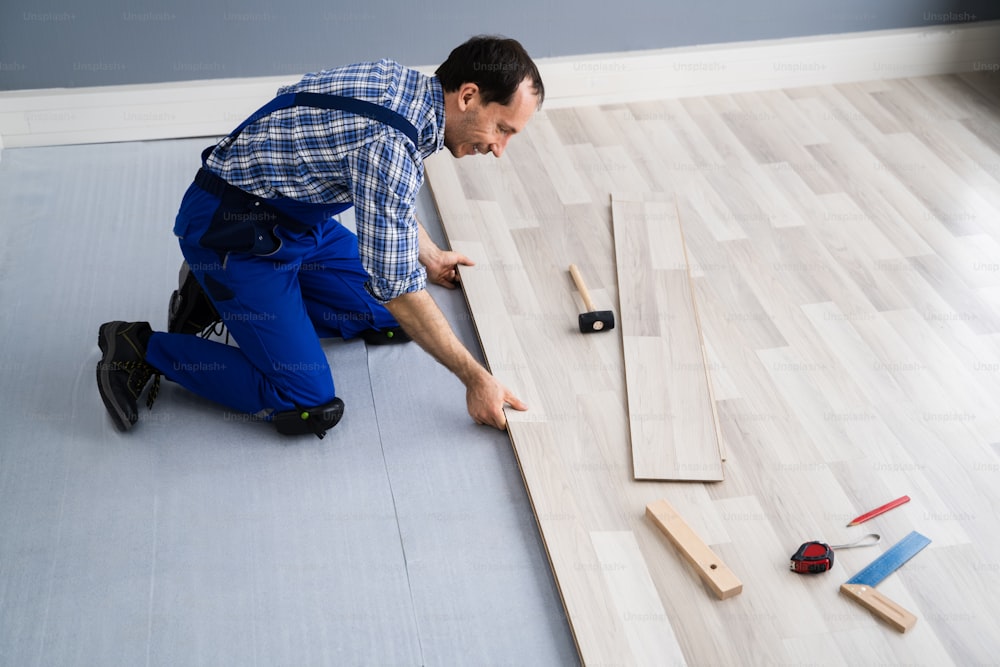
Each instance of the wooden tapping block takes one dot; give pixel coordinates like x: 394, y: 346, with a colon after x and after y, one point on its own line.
x: 710, y: 567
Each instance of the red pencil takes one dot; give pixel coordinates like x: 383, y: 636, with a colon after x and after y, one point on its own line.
x: 879, y: 510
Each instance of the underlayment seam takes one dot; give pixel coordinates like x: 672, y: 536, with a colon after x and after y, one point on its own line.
x: 395, y: 511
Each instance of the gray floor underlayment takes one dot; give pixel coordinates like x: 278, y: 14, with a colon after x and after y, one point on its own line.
x: 405, y: 537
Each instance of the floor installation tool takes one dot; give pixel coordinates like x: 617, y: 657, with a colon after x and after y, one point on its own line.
x: 861, y: 587
x: 593, y: 320
x: 879, y: 510
x: 710, y: 568
x: 815, y: 557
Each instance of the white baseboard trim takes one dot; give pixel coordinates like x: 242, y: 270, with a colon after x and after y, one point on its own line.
x: 213, y: 107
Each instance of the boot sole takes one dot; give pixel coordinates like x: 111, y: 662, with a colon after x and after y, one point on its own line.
x: 180, y: 309
x: 106, y: 341
x: 175, y: 319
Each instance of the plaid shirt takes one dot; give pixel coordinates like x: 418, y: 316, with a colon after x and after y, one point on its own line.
x: 325, y: 156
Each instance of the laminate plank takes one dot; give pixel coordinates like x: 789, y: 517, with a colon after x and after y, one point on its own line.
x: 623, y: 172
x: 843, y: 221
x: 557, y: 163
x: 984, y: 82
x: 569, y: 127
x: 824, y: 423
x: 870, y: 182
x: 655, y: 138
x: 536, y: 183
x: 903, y: 100
x: 768, y: 136
x: 859, y: 110
x: 634, y: 593
x: 637, y: 129
x: 964, y: 305
x: 965, y: 386
x: 962, y: 100
x: 502, y: 184
x: 783, y: 606
x: 926, y: 431
x: 731, y: 307
x: 712, y: 210
x: 743, y: 200
x: 598, y: 132
x: 985, y: 131
x: 804, y: 650
x: 672, y: 425
x: 509, y: 361
x: 966, y: 625
x: 703, y: 154
x: 959, y: 208
x: 852, y: 168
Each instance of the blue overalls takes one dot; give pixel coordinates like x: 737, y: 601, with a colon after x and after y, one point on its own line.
x: 281, y: 273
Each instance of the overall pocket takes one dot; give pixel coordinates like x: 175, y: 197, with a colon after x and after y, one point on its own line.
x: 242, y: 224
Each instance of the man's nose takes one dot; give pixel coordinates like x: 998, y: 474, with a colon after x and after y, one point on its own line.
x: 498, y: 146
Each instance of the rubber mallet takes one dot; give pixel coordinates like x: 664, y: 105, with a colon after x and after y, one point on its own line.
x: 593, y: 320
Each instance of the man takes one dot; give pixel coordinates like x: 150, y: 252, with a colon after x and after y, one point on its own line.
x: 257, y: 232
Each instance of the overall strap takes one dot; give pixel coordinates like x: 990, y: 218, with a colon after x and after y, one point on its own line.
x: 336, y: 102
x: 217, y: 186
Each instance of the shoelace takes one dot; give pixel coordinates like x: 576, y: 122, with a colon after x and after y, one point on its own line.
x: 217, y: 328
x: 154, y: 391
x: 145, y: 372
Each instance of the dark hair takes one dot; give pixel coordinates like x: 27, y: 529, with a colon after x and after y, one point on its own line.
x: 497, y: 65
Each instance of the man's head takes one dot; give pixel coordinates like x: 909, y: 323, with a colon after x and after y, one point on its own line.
x: 491, y: 88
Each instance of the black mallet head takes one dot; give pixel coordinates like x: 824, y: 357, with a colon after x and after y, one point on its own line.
x: 597, y: 320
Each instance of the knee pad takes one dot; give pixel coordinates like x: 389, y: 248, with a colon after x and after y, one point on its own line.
x: 302, y: 421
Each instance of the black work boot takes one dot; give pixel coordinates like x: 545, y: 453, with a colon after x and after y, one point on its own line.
x: 122, y: 372
x: 190, y: 311
x: 387, y: 336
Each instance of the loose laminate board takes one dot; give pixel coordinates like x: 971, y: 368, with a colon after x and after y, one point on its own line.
x: 824, y: 285
x: 673, y: 426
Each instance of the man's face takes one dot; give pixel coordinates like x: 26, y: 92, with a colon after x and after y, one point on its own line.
x: 479, y: 129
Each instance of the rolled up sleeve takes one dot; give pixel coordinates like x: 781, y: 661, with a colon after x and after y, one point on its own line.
x: 386, y: 180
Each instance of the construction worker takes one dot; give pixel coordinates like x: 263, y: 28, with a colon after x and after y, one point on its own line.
x: 265, y: 255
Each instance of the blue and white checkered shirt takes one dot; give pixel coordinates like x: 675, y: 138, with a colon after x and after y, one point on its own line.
x: 326, y: 156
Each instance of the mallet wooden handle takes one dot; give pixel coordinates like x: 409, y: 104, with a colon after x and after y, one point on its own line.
x: 578, y: 279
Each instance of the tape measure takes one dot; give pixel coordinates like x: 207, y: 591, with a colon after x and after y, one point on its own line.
x: 815, y: 557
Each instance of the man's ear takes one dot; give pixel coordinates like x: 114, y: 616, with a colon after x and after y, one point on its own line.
x: 467, y: 92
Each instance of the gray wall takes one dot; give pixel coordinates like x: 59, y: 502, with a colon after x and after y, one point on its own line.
x: 71, y: 43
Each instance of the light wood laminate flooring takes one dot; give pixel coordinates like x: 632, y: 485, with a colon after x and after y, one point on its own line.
x: 844, y: 243
x: 673, y: 425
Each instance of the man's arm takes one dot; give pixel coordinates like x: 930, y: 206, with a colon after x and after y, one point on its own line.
x: 421, y: 318
x: 385, y: 183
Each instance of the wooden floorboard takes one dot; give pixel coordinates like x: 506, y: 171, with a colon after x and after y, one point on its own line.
x: 842, y: 242
x: 673, y: 431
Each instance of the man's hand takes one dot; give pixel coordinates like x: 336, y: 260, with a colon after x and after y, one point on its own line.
x: 442, y: 265
x: 486, y: 399
x: 423, y: 320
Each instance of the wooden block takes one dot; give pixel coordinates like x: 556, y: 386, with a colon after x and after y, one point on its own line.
x: 710, y: 567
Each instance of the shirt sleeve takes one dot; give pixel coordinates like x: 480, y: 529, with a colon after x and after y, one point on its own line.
x: 385, y: 182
